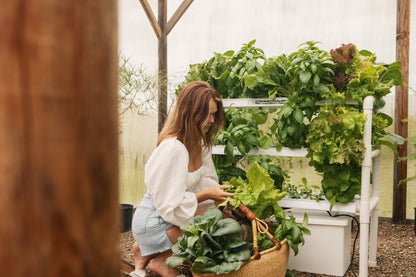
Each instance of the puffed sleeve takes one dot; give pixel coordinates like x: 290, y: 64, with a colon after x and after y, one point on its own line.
x: 209, y: 178
x: 165, y: 178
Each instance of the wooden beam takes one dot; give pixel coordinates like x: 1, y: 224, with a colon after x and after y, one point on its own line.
x: 178, y: 14
x: 59, y: 209
x: 162, y: 29
x: 152, y: 18
x: 401, y: 110
x: 163, y: 65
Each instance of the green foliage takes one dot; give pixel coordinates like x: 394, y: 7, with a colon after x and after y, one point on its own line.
x: 341, y: 183
x: 411, y: 156
x: 293, y: 232
x: 335, y: 136
x: 137, y: 88
x: 272, y: 78
x: 357, y: 75
x: 275, y: 171
x: 227, y: 72
x: 228, y: 167
x: 336, y: 149
x: 258, y: 194
x: 304, y: 191
x: 310, y: 72
x: 308, y: 77
x: 291, y: 126
x: 209, y: 245
x: 334, y: 139
x: 242, y: 131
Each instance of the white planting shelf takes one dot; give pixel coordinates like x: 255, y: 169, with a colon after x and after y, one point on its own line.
x: 285, y: 152
x: 367, y: 204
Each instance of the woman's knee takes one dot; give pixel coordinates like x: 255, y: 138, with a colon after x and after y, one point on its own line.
x: 174, y: 233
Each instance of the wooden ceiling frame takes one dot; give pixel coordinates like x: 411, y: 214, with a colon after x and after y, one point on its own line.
x: 162, y: 28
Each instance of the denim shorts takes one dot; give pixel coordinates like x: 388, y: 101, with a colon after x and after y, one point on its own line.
x: 149, y: 228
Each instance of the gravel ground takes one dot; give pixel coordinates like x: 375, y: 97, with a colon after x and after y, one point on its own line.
x: 396, y: 253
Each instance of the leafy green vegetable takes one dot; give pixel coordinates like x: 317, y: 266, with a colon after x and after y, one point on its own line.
x: 275, y: 171
x: 242, y: 131
x: 227, y: 167
x: 292, y: 232
x: 272, y: 78
x: 310, y: 72
x: 227, y: 72
x: 336, y: 149
x: 259, y: 194
x: 357, y: 74
x: 209, y: 246
x: 335, y: 136
x: 306, y: 77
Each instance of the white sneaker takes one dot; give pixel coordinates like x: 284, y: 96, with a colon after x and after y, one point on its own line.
x: 138, y: 273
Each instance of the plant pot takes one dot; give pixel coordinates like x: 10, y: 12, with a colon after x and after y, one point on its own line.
x: 126, y: 216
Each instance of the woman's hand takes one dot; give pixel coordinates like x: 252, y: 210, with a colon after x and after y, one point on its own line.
x: 215, y: 193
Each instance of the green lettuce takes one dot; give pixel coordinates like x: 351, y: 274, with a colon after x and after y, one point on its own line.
x: 258, y: 194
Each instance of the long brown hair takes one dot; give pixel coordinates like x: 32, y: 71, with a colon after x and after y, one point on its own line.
x: 191, y: 110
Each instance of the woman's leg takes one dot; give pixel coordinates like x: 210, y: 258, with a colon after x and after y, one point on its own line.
x: 157, y: 264
x: 140, y: 262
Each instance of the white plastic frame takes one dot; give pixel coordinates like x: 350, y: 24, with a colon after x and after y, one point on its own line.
x: 367, y: 204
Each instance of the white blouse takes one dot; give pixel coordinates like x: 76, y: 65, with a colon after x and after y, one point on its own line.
x: 172, y: 187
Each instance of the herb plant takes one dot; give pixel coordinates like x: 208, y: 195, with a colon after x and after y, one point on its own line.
x: 310, y: 72
x: 304, y: 191
x: 288, y: 229
x: 272, y: 78
x: 242, y: 130
x: 292, y: 232
x: 227, y: 72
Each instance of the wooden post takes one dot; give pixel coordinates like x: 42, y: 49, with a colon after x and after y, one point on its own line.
x: 401, y: 110
x: 162, y: 29
x: 163, y: 65
x: 59, y: 210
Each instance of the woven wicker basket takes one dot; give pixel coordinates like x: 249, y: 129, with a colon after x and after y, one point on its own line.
x: 273, y: 263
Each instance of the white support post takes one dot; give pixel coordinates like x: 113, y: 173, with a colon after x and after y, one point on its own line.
x: 375, y: 194
x: 365, y: 187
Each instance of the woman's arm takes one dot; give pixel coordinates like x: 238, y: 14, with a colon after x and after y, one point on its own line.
x: 215, y: 193
x: 165, y: 177
x: 209, y: 187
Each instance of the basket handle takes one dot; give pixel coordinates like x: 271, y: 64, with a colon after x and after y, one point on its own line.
x: 261, y: 226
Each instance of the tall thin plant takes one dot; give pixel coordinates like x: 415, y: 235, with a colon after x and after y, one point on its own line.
x: 410, y: 157
x: 137, y: 88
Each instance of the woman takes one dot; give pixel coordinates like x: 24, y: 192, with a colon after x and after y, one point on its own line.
x: 180, y: 177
